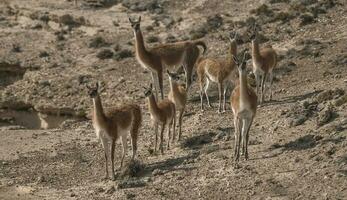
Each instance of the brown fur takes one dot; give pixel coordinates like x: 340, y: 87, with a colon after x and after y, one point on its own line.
x: 216, y: 70
x: 111, y: 121
x: 264, y: 61
x: 162, y: 113
x: 156, y: 58
x: 178, y: 95
x: 244, y: 105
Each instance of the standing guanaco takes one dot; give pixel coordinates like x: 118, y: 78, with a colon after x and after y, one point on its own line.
x: 163, y: 114
x: 219, y: 71
x: 244, y: 105
x: 264, y: 61
x: 154, y: 59
x: 113, y: 124
x: 178, y: 95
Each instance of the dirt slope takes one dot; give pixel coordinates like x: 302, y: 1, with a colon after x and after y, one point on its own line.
x: 51, y: 49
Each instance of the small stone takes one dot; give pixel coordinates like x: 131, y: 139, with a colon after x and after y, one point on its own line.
x: 110, y: 190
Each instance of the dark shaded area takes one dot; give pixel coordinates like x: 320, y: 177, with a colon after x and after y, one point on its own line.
x: 10, y: 73
x: 198, y: 141
x: 302, y: 143
x: 292, y: 99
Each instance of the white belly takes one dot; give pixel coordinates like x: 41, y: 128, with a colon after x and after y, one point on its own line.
x: 210, y: 77
x: 257, y: 68
x: 144, y: 65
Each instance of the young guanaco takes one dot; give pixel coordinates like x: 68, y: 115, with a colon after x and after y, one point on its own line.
x: 244, y: 105
x: 178, y: 95
x: 219, y: 71
x: 163, y: 114
x: 113, y: 124
x: 173, y: 54
x: 264, y: 61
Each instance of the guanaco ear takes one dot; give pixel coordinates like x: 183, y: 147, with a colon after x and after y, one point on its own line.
x: 130, y: 20
x: 151, y: 86
x: 235, y: 60
x: 168, y: 72
x: 244, y: 55
x: 139, y: 20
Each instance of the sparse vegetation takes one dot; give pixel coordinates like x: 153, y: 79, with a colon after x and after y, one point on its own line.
x: 52, y: 50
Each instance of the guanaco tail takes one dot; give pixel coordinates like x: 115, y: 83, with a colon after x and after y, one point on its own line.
x: 113, y: 124
x: 173, y: 54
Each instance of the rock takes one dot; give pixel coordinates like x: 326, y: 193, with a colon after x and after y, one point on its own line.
x: 283, y: 16
x: 16, y: 48
x: 329, y: 94
x: 131, y: 183
x: 152, y: 39
x: 306, y: 18
x: 262, y: 10
x: 99, y: 3
x: 99, y: 190
x: 157, y: 172
x: 110, y: 190
x: 70, y: 21
x: 197, y: 33
x: 279, y: 1
x: 8, y: 120
x: 340, y: 101
x: 139, y: 5
x: 133, y: 169
x: 298, y: 120
x: 214, y: 22
x: 130, y: 196
x: 40, y: 179
x: 98, y: 42
x: 43, y: 54
x: 105, y: 54
x: 168, y: 21
x: 170, y: 39
x: 325, y: 116
x: 122, y: 54
x: 149, y: 28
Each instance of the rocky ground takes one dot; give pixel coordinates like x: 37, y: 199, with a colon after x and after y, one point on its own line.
x: 50, y: 50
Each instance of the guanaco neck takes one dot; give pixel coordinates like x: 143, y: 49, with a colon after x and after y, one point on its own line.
x: 232, y: 51
x: 173, y: 86
x: 140, y: 44
x: 98, y: 114
x: 243, y: 87
x: 152, y: 104
x: 255, y: 49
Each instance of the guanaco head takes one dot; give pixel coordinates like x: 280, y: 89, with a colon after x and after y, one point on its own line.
x: 135, y: 24
x: 148, y: 91
x: 232, y: 36
x: 254, y: 32
x: 172, y: 76
x: 94, y: 91
x: 241, y: 64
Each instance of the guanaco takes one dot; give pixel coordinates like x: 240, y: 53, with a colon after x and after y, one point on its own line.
x: 162, y: 113
x: 264, y: 61
x: 155, y: 58
x: 244, y: 105
x: 219, y: 71
x: 178, y: 95
x: 113, y: 124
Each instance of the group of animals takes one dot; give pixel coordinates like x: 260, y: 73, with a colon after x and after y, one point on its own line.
x: 116, y: 123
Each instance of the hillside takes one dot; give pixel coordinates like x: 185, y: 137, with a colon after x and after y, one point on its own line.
x: 50, y: 50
